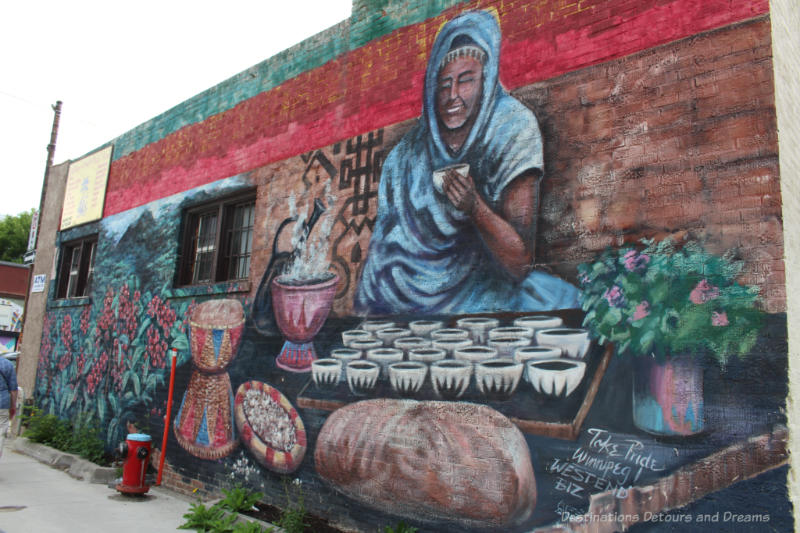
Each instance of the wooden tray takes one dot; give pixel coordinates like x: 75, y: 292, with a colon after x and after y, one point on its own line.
x: 532, y: 412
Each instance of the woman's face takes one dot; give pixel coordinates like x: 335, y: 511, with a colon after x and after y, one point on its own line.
x: 458, y: 92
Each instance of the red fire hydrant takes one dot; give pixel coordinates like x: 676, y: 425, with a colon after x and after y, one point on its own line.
x: 136, y: 452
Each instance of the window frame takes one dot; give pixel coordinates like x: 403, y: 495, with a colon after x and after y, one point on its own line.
x: 82, y: 273
x: 224, y: 210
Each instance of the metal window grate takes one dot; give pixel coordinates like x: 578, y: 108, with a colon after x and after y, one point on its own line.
x: 240, y: 237
x: 205, y: 248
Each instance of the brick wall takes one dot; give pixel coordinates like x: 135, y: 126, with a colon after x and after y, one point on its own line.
x: 658, y: 119
x: 232, y: 128
x: 680, y: 139
x: 13, y: 280
x: 676, y: 140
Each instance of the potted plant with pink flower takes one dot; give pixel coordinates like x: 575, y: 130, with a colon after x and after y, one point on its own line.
x: 669, y: 307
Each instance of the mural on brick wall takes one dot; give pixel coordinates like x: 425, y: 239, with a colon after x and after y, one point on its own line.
x: 109, y: 359
x: 474, y: 321
x: 459, y: 387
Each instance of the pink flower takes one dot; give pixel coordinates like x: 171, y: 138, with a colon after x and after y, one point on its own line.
x: 634, y: 261
x: 719, y: 318
x: 641, y: 311
x: 703, y: 292
x: 614, y: 296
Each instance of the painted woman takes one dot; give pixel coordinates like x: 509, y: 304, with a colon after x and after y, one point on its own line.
x: 469, y: 245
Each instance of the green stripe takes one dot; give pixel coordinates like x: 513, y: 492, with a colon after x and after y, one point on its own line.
x: 370, y: 20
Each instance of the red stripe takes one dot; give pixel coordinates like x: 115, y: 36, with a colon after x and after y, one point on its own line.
x: 247, y: 433
x: 310, y: 111
x: 275, y: 395
x: 269, y: 455
x: 301, y: 437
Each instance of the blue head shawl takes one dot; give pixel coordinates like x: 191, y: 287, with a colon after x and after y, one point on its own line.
x: 424, y: 254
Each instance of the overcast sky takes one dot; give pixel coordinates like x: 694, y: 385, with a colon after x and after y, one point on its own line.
x: 116, y: 65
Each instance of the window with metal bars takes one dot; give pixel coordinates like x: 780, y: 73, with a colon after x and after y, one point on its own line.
x: 76, y: 268
x: 217, y: 241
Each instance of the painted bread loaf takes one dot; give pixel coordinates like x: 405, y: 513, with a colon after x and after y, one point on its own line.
x: 431, y: 460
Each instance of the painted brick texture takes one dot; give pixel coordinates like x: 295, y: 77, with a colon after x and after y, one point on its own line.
x: 676, y: 140
x: 658, y: 119
x: 380, y: 84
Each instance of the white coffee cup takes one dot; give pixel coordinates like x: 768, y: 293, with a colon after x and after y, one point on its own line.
x: 439, y: 174
x: 574, y: 342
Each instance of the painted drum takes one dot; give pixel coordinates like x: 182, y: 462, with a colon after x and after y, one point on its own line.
x: 204, y: 423
x: 215, y: 331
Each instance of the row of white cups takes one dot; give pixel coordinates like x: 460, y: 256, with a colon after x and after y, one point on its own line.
x: 538, y: 348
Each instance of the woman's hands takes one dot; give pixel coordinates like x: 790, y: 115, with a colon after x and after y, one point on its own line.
x: 510, y: 234
x: 460, y: 190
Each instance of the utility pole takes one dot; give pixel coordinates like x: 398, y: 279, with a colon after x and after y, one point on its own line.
x: 30, y: 255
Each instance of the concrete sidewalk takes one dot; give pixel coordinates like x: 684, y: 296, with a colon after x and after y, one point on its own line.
x: 36, y: 497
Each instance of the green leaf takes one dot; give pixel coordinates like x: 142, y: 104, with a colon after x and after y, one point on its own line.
x: 142, y: 333
x: 62, y: 404
x: 137, y: 357
x: 181, y: 342
x: 101, y: 408
x: 115, y: 407
x: 612, y: 317
x: 72, y: 397
x: 646, y: 341
x: 112, y: 427
x: 137, y: 385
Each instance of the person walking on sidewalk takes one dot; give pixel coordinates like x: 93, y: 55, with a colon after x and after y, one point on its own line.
x: 8, y: 398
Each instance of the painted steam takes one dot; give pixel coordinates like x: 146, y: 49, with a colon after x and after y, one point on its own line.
x: 310, y: 261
